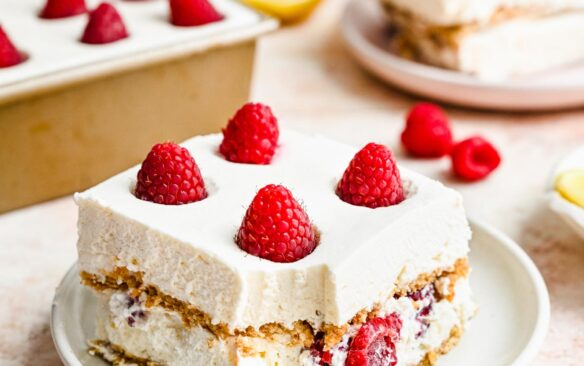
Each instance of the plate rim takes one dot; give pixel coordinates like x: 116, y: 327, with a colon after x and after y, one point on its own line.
x: 540, y: 330
x: 372, y: 57
x: 528, y: 353
x: 58, y: 333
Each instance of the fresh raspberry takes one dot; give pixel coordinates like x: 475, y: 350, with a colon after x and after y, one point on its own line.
x: 105, y: 26
x: 374, y: 344
x: 474, y: 158
x: 372, y: 179
x: 187, y: 13
x: 275, y: 227
x: 55, y: 9
x: 9, y: 55
x: 251, y: 135
x: 170, y: 176
x: 427, y: 133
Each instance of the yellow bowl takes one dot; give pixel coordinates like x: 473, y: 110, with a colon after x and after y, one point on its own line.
x: 287, y: 11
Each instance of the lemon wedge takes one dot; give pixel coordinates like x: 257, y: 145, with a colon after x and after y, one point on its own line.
x: 570, y: 184
x: 288, y: 11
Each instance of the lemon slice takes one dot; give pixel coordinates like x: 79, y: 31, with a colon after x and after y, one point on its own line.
x: 288, y: 11
x: 570, y: 184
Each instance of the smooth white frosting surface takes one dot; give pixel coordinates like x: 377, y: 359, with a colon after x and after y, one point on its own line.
x: 189, y: 253
x: 454, y: 12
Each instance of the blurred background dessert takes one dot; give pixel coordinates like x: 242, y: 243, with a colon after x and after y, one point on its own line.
x: 491, y: 39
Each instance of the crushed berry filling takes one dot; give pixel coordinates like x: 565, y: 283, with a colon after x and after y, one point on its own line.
x: 134, y: 305
x: 326, y: 358
x: 427, y: 296
x: 139, y: 314
x: 131, y: 301
x: 317, y: 350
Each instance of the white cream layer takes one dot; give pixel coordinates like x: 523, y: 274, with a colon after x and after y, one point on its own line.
x: 189, y: 253
x: 456, y: 12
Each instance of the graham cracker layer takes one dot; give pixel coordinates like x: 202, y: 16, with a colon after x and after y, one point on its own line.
x: 301, y: 333
x: 116, y: 355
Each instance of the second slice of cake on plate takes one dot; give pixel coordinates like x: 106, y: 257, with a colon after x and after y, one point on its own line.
x: 495, y: 39
x: 266, y: 248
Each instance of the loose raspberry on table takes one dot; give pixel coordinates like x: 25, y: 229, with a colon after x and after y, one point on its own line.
x: 251, y: 136
x: 372, y: 179
x: 9, y: 55
x: 474, y: 158
x: 374, y: 344
x: 169, y: 175
x: 105, y: 26
x: 275, y: 227
x: 427, y: 133
x: 55, y: 9
x: 187, y: 13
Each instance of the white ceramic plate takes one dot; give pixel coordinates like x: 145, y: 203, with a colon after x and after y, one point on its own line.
x: 572, y: 214
x: 365, y: 31
x: 508, y: 330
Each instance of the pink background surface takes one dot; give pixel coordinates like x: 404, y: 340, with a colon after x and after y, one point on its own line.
x: 308, y: 78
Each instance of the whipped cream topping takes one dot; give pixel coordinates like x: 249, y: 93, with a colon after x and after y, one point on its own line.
x: 456, y: 12
x: 188, y: 251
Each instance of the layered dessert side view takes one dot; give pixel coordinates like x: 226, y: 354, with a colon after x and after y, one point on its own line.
x: 269, y: 247
x: 494, y: 40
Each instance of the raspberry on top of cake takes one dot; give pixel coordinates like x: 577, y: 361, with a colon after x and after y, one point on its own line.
x: 270, y: 246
